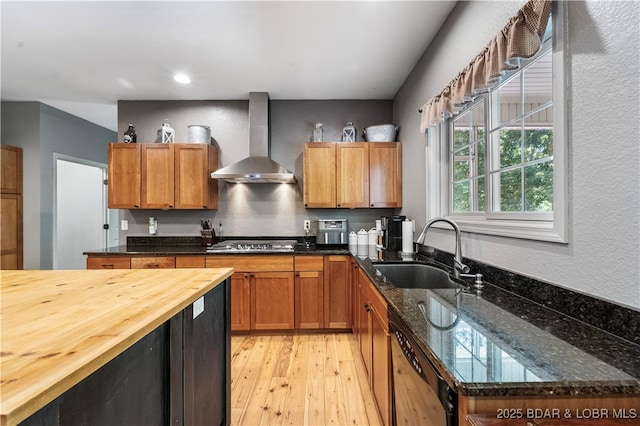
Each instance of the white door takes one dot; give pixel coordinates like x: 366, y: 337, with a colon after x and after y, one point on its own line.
x: 80, y: 211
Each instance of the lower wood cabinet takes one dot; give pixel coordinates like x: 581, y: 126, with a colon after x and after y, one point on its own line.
x: 190, y: 261
x: 240, y: 302
x: 269, y: 292
x: 153, y: 262
x: 337, y: 292
x: 272, y: 300
x: 309, y: 292
x: 381, y: 363
x: 372, y: 332
x: 262, y: 291
x: 109, y: 262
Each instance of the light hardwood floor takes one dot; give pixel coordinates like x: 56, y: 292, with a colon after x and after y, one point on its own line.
x: 299, y: 380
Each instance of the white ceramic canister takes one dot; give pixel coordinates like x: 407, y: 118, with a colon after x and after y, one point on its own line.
x: 353, y: 243
x: 373, y: 236
x: 363, y: 240
x: 353, y: 239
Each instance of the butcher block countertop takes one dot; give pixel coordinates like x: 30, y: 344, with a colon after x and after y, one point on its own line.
x: 58, y: 327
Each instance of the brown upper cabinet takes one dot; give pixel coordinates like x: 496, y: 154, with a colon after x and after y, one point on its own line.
x: 162, y: 176
x: 11, y: 219
x: 352, y: 175
x: 385, y: 174
x: 123, y: 175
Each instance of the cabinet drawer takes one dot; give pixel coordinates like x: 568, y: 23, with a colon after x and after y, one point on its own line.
x: 189, y: 261
x: 108, y: 262
x: 309, y: 263
x: 153, y: 262
x: 245, y: 263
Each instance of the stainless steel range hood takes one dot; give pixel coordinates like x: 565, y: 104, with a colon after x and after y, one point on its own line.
x: 258, y: 167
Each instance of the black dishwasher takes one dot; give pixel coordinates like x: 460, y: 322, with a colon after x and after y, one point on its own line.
x: 420, y: 395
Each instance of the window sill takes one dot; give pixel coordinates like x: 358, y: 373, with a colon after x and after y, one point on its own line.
x: 523, y: 229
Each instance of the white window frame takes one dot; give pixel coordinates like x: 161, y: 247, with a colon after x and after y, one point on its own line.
x: 536, y: 226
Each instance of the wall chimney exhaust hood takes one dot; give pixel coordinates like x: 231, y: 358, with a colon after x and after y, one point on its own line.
x: 258, y: 167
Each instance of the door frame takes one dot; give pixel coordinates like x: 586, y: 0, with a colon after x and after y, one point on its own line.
x: 105, y: 212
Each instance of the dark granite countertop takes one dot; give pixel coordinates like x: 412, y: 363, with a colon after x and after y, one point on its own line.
x: 193, y: 250
x: 496, y: 343
x: 492, y: 343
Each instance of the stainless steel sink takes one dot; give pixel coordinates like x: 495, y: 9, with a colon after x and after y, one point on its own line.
x: 415, y: 275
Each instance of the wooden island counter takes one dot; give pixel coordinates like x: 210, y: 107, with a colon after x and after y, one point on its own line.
x: 115, y: 346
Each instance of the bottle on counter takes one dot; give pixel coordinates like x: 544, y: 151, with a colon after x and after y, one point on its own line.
x: 130, y: 135
x: 153, y: 226
x: 318, y: 133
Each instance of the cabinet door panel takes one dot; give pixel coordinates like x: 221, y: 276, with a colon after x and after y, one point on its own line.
x: 380, y: 365
x: 123, y: 175
x: 309, y: 299
x: 352, y: 175
x: 272, y: 301
x: 364, y: 328
x: 240, y: 302
x: 319, y: 180
x: 157, y: 182
x: 11, y: 224
x: 385, y: 173
x: 337, y: 292
x: 11, y: 169
x: 194, y: 188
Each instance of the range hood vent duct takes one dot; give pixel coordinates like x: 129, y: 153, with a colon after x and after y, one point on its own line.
x: 258, y: 167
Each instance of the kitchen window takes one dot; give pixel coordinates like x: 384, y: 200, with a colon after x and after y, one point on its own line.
x: 500, y: 164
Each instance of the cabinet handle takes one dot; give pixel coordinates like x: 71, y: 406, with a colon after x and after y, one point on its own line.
x: 305, y: 204
x: 371, y: 205
x: 136, y: 206
x: 339, y: 205
x: 152, y: 265
x: 367, y: 307
x: 107, y: 265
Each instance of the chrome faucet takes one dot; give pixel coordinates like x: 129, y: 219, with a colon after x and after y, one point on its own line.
x: 458, y: 266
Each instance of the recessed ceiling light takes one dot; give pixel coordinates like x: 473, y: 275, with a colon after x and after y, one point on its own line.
x: 181, y: 78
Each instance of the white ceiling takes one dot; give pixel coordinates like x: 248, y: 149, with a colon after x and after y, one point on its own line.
x: 82, y: 57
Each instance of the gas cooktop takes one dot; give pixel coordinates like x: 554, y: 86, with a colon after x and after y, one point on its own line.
x: 254, y: 246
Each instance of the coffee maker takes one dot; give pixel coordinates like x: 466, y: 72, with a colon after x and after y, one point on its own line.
x: 392, y: 232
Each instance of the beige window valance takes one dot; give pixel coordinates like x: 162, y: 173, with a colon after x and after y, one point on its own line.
x: 521, y: 38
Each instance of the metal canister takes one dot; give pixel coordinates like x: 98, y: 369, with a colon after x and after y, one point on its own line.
x: 197, y: 133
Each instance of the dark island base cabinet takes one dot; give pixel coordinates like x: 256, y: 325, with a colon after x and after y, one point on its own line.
x: 179, y: 374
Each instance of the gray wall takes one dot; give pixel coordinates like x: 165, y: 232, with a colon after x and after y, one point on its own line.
x: 603, y: 255
x: 255, y: 209
x: 41, y: 131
